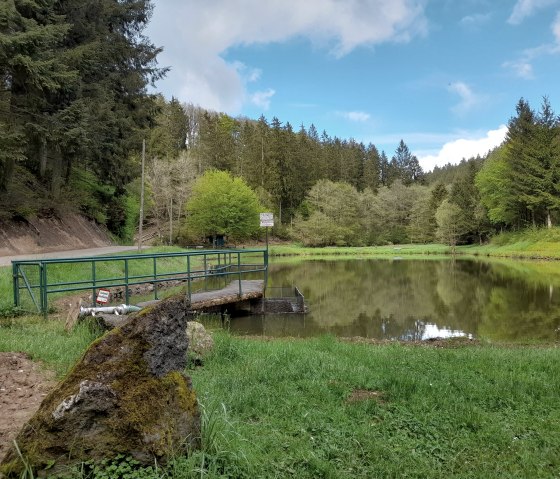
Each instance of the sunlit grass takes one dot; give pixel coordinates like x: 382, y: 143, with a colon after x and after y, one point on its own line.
x: 462, y: 412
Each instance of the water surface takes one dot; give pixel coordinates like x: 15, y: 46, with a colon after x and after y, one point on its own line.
x: 416, y: 299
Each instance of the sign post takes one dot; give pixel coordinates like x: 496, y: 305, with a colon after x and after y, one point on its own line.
x: 267, y: 221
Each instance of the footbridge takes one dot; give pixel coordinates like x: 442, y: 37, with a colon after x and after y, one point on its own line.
x: 211, y: 277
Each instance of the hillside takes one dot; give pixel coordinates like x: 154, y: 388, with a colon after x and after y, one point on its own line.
x: 43, y: 235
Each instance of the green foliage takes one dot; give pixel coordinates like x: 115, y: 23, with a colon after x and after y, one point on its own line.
x: 90, y: 195
x: 519, y: 182
x: 333, y: 216
x: 73, y: 91
x: 121, y: 466
x: 451, y: 223
x: 222, y: 204
x: 496, y: 188
x: 7, y: 311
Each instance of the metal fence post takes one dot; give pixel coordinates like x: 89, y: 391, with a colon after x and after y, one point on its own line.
x: 43, y: 288
x: 15, y: 283
x: 93, y: 289
x: 239, y: 272
x: 189, y: 292
x: 155, y: 278
x: 126, y: 292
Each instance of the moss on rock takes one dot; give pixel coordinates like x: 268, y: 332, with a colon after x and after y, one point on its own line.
x: 127, y: 395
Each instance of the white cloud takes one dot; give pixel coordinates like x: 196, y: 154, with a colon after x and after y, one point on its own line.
x: 196, y: 34
x: 262, y: 98
x: 526, y: 8
x: 468, y: 99
x: 475, y: 21
x: 455, y: 151
x: 556, y: 28
x: 357, y: 116
x: 521, y: 68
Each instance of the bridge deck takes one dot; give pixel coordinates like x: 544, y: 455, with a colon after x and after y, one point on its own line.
x: 250, y: 289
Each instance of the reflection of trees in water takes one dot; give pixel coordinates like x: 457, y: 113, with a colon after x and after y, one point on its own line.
x: 531, y: 313
x: 395, y: 299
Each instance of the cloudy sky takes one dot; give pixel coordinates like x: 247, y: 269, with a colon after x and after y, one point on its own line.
x: 443, y: 75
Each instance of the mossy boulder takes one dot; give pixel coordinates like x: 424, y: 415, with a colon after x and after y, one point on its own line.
x: 127, y: 395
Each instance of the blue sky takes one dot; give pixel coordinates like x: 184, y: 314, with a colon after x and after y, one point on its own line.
x: 443, y: 75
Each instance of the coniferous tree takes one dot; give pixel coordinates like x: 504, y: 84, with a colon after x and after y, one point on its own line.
x: 520, y: 139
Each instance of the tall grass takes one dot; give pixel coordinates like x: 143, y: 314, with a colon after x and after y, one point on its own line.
x: 46, y: 341
x: 322, y: 408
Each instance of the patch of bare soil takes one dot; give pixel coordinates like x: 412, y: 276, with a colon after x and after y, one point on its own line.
x: 23, y: 385
x: 358, y: 395
x: 42, y: 235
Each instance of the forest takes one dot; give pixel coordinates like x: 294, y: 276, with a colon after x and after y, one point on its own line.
x: 75, y: 106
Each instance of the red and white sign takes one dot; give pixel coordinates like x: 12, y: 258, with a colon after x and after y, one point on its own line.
x: 103, y: 296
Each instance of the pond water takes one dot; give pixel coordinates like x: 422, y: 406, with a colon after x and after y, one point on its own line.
x: 412, y: 299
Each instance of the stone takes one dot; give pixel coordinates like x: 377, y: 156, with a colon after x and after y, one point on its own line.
x: 200, y: 342
x: 127, y: 395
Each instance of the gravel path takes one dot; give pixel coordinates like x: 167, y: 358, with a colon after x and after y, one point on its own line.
x: 7, y: 260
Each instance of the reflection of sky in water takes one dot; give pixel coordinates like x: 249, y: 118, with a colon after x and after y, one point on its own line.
x: 432, y: 331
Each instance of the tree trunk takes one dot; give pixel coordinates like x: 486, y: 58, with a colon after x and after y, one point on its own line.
x: 43, y: 158
x: 548, y: 219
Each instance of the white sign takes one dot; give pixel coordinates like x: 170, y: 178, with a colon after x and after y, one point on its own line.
x: 103, y: 296
x: 267, y: 219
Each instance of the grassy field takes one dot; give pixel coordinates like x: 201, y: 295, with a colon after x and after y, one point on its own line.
x: 325, y: 408
x: 535, y: 243
x: 332, y: 409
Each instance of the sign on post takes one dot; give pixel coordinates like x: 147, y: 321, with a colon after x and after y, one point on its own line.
x: 103, y: 296
x: 267, y: 220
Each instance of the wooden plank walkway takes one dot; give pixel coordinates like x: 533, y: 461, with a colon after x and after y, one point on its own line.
x: 250, y: 289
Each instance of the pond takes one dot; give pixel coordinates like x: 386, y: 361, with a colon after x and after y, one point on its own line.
x: 416, y: 299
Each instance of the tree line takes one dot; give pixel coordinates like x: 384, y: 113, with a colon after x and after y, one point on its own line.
x: 331, y: 191
x: 73, y: 103
x: 74, y: 109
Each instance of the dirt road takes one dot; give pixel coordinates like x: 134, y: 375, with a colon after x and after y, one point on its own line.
x: 7, y: 260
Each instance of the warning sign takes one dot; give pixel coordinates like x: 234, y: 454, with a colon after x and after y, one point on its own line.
x: 103, y: 296
x: 267, y: 220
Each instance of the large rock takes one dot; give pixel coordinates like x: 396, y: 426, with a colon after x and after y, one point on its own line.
x: 200, y: 342
x: 127, y: 395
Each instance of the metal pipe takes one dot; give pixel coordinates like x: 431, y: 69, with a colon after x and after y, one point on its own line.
x: 117, y: 310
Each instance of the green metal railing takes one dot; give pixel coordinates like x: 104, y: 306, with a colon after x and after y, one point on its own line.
x: 35, y: 280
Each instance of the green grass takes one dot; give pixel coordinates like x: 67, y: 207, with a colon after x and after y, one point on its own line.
x: 538, y: 243
x: 46, y: 341
x: 459, y: 412
x: 394, y: 250
x: 532, y: 243
x: 283, y: 408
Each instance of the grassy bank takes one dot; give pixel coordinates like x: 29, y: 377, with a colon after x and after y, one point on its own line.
x: 331, y: 409
x: 537, y: 243
x: 394, y: 250
x: 46, y: 341
x: 324, y: 408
